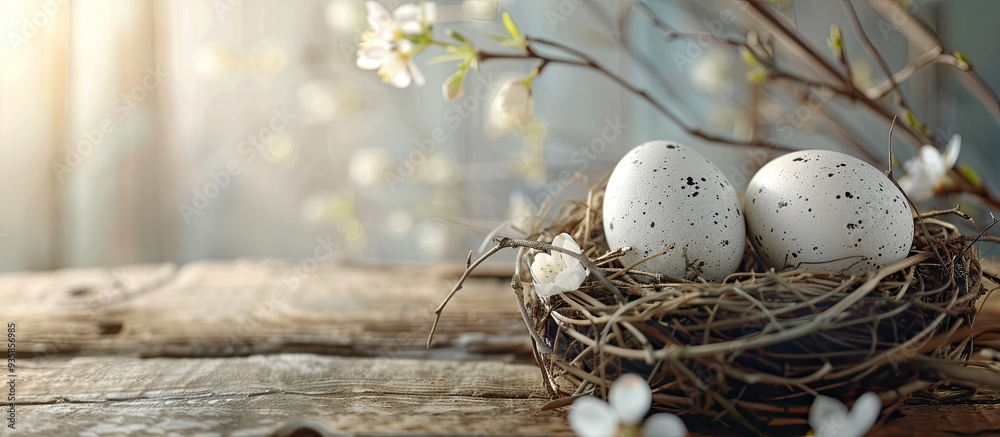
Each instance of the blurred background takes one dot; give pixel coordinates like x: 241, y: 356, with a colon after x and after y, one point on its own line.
x: 172, y: 131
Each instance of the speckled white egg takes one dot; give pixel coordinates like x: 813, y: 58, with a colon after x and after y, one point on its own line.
x: 824, y: 210
x: 663, y: 194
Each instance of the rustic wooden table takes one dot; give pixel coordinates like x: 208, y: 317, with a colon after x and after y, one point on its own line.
x: 262, y: 347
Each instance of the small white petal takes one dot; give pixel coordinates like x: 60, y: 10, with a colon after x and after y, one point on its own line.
x: 404, y: 47
x: 631, y: 397
x: 378, y: 16
x: 828, y: 417
x: 371, y: 53
x: 566, y: 241
x: 917, y: 187
x: 560, y: 240
x: 418, y: 77
x: 571, y: 278
x: 592, y: 417
x: 517, y: 101
x: 411, y: 27
x: 395, y: 72
x: 407, y: 13
x: 411, y: 17
x: 367, y: 62
x: 664, y: 425
x: 546, y: 289
x: 932, y: 162
x: 864, y: 413
x: 398, y: 80
x: 512, y: 106
x: 453, y: 86
x: 951, y: 152
x: 915, y: 167
x: 429, y: 13
x: 542, y: 268
x: 495, y: 116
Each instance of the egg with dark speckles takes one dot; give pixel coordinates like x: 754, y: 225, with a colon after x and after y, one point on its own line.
x: 824, y: 210
x: 666, y: 197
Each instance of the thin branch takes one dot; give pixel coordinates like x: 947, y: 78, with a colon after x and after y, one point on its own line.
x: 914, y: 136
x: 852, y: 15
x: 920, y: 36
x: 644, y: 61
x: 920, y: 218
x: 469, y: 267
x: 586, y: 61
x: 846, y: 89
x: 772, y: 20
x: 698, y: 36
x: 980, y: 192
x: 893, y: 81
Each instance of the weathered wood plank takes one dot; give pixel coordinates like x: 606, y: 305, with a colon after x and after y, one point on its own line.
x: 259, y: 395
x: 252, y: 307
x: 264, y: 306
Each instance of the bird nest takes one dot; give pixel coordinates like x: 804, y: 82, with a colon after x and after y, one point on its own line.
x: 753, y: 351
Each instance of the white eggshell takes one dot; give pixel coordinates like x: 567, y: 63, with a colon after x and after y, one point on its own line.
x: 824, y: 210
x: 665, y: 194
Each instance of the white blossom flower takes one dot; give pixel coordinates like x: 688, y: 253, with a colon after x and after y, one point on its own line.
x: 385, y: 46
x: 558, y: 272
x: 927, y: 171
x: 713, y: 72
x: 512, y: 106
x: 628, y: 401
x: 830, y: 418
x: 454, y: 86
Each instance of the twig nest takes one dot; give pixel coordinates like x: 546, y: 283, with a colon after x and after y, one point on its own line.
x: 754, y: 351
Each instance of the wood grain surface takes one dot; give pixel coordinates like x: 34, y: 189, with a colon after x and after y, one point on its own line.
x: 260, y: 395
x: 253, y: 307
x: 264, y: 347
